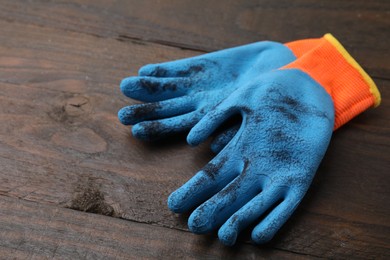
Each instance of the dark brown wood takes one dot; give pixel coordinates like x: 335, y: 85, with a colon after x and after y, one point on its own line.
x: 61, y: 145
x: 362, y: 26
x: 33, y: 230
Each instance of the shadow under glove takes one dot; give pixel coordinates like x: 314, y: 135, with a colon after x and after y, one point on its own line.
x: 288, y: 118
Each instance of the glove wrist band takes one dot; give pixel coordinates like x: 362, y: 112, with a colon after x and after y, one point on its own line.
x: 350, y: 87
x: 300, y: 47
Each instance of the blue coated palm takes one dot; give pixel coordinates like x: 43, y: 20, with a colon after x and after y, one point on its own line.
x: 181, y: 92
x: 287, y: 122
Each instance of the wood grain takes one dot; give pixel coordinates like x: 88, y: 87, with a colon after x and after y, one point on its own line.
x: 61, y: 144
x: 31, y: 230
x: 62, y: 147
x: 362, y: 26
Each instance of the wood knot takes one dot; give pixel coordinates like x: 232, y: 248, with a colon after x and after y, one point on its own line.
x: 71, y: 110
x: 90, y: 199
x: 77, y: 106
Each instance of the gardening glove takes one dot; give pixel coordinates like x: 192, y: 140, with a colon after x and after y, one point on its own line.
x: 288, y: 116
x: 181, y: 92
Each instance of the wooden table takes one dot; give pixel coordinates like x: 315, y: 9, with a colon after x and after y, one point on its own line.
x: 75, y: 184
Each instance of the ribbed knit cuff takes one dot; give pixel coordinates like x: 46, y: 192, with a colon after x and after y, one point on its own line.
x: 300, y: 47
x: 350, y: 87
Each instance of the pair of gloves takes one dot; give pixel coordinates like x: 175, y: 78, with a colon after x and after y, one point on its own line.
x: 286, y: 100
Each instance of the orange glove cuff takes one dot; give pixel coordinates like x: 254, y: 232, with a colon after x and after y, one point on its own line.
x: 327, y: 62
x: 300, y: 47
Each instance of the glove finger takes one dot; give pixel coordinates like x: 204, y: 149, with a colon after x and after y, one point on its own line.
x: 221, y: 140
x: 134, y: 114
x: 207, y: 182
x: 179, y: 68
x: 246, y: 215
x: 220, y: 207
x: 150, y: 89
x: 268, y: 227
x: 210, y: 122
x: 156, y: 129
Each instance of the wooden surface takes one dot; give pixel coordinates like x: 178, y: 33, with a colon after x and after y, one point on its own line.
x: 75, y: 184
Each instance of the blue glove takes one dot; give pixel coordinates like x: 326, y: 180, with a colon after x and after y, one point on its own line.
x: 182, y: 91
x: 288, y: 116
x: 287, y: 122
